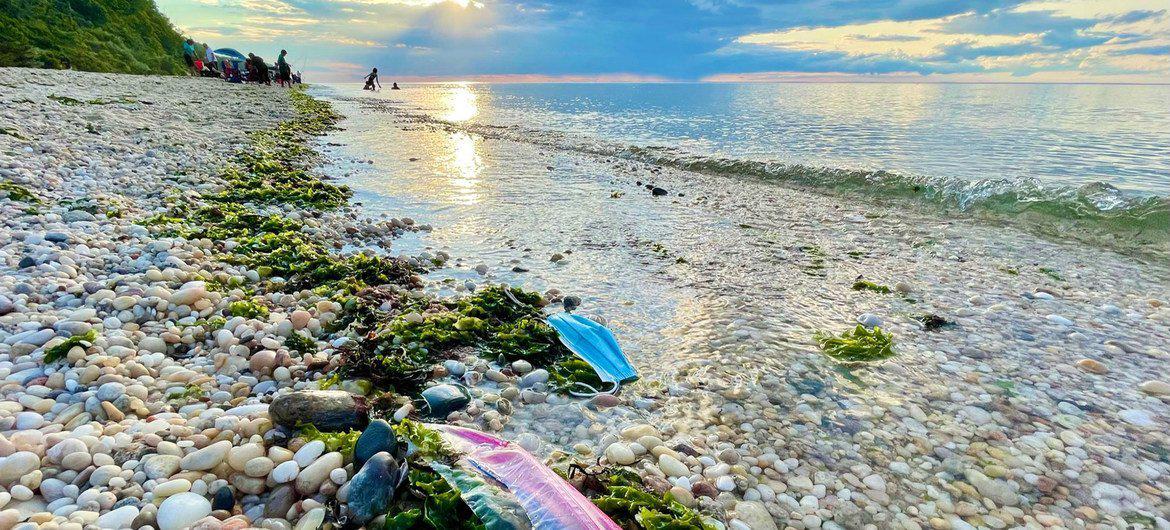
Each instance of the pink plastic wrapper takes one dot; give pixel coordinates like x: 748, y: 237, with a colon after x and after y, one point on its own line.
x: 551, y: 502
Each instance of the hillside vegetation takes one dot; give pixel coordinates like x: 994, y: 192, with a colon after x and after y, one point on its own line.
x: 125, y: 36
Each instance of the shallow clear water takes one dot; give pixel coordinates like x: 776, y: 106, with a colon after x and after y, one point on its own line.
x: 1058, y: 134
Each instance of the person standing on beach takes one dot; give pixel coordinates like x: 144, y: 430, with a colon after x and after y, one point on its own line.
x: 372, y: 78
x: 189, y: 56
x: 209, y: 57
x: 283, y: 71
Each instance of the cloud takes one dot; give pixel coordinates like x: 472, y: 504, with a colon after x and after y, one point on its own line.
x: 917, y: 38
x: 1017, y: 42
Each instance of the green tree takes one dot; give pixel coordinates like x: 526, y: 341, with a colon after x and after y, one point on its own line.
x: 122, y: 36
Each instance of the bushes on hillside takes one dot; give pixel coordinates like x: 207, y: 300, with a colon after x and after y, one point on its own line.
x: 124, y: 36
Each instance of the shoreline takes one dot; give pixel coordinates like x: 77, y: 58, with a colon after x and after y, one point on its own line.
x: 196, y: 361
x: 249, y: 313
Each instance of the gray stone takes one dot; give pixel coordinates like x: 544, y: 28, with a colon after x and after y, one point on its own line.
x: 328, y: 410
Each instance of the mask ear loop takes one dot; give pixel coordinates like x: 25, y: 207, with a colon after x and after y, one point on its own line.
x: 593, y: 391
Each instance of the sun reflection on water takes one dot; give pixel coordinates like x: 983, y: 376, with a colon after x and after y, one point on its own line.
x: 463, y: 168
x: 461, y: 105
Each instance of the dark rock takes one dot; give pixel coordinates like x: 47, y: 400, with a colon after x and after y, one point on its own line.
x: 519, y: 269
x: 444, y: 399
x: 372, y: 489
x: 280, y: 501
x: 328, y: 410
x: 658, y: 192
x: 571, y: 302
x: 224, y: 499
x: 26, y: 262
x: 377, y: 437
x: 56, y: 237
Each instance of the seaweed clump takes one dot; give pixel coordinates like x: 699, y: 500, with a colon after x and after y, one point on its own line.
x: 858, y: 345
x: 17, y: 192
x: 248, y: 309
x: 275, y: 169
x: 864, y: 285
x: 402, y: 342
x: 620, y: 494
x: 342, y: 441
x: 933, y: 322
x: 275, y: 246
x: 59, y: 351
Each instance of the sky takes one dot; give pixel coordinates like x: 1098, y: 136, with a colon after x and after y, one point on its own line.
x: 1105, y: 41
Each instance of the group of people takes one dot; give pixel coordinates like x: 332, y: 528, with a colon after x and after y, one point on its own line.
x: 253, y: 70
x: 372, y: 78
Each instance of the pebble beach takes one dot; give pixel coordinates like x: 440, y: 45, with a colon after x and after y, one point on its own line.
x: 1039, y: 399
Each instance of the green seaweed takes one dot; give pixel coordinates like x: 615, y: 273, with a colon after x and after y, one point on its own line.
x: 816, y: 264
x: 8, y: 131
x: 1008, y: 386
x: 66, y: 100
x: 59, y: 351
x: 1135, y: 518
x: 443, y: 507
x: 248, y: 309
x: 631, y: 506
x: 428, y: 443
x: 275, y: 168
x: 403, y: 520
x: 566, y: 373
x: 864, y: 285
x: 1052, y: 273
x: 857, y: 345
x: 342, y: 441
x: 185, y: 394
x: 398, y: 347
x: 17, y: 192
x: 301, y: 342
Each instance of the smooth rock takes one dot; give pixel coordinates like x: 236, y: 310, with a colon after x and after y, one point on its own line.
x: 377, y: 437
x: 445, y: 399
x: 182, y: 510
x: 328, y: 410
x: 372, y: 488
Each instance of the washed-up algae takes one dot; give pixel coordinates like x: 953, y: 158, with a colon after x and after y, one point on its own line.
x: 858, y: 345
x: 397, y: 333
